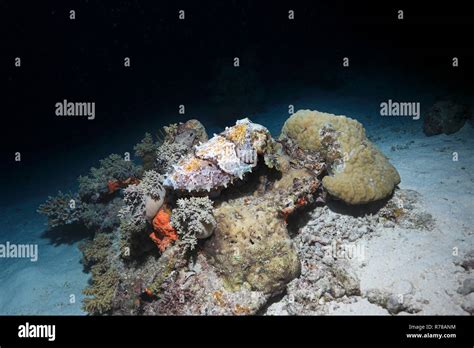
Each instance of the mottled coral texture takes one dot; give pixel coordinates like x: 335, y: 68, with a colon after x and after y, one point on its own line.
x: 358, y: 171
x: 251, y: 246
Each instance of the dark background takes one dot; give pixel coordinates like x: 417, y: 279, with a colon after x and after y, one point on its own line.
x: 177, y: 62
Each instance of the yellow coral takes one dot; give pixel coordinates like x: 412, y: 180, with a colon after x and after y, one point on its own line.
x: 358, y: 171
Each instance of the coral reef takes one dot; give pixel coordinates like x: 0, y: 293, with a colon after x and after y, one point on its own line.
x: 113, y: 170
x: 63, y: 209
x: 215, y: 226
x: 115, y: 185
x: 171, y: 259
x: 101, y: 291
x: 102, y: 217
x: 133, y: 240
x: 143, y: 200
x: 193, y: 219
x: 133, y: 211
x: 191, y: 132
x: 445, y: 116
x: 142, y: 205
x: 358, y: 171
x: 146, y: 150
x: 197, y: 289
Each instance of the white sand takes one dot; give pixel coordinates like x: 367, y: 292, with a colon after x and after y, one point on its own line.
x: 43, y: 287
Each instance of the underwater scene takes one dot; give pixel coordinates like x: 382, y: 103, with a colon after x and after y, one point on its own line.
x: 236, y: 158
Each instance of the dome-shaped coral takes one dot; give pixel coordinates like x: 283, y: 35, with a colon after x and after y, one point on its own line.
x: 358, y: 171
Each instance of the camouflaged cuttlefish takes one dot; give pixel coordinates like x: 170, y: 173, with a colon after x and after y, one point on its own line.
x: 222, y: 159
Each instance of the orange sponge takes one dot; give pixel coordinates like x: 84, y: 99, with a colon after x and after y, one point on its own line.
x: 164, y: 233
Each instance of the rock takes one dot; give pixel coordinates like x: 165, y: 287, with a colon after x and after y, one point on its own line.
x: 376, y: 296
x: 277, y: 308
x: 394, y: 305
x: 338, y: 292
x: 347, y: 278
x: 445, y: 117
x: 468, y: 261
x: 467, y: 286
x: 468, y: 303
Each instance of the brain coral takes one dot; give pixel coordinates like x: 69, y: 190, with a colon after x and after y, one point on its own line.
x: 358, y: 171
